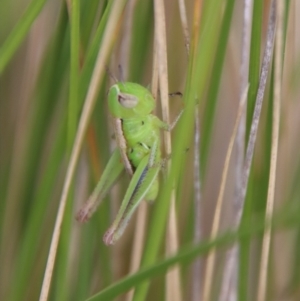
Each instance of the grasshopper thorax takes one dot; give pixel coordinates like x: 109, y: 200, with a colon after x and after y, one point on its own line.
x: 129, y: 100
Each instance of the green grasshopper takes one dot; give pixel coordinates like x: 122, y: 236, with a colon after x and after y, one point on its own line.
x: 138, y: 138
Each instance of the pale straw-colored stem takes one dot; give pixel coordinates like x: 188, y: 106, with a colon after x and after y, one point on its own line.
x: 89, y: 104
x: 138, y: 242
x: 263, y: 273
x: 208, y: 277
x: 173, y: 291
x: 250, y: 147
x: 196, y: 286
x: 184, y: 24
x: 228, y: 284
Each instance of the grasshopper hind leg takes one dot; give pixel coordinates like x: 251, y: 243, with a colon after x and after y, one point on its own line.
x: 153, y: 192
x: 109, y: 176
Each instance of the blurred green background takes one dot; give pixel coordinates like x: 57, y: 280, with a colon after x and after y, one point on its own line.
x: 47, y: 56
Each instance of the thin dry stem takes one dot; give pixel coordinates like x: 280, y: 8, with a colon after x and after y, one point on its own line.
x: 138, y: 242
x: 173, y: 284
x: 229, y: 284
x: 196, y: 279
x: 184, y: 24
x: 217, y: 217
x: 197, y: 206
x: 83, y: 123
x: 257, y: 110
x: 240, y: 147
x: 253, y: 133
x: 263, y: 273
x: 173, y: 291
x: 127, y: 37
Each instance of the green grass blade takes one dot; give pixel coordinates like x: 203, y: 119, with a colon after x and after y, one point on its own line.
x: 285, y: 218
x: 254, y: 64
x: 74, y: 72
x: 20, y: 31
x: 195, y: 86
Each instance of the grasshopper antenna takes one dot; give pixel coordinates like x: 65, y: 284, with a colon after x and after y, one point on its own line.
x: 111, y: 75
x: 175, y: 94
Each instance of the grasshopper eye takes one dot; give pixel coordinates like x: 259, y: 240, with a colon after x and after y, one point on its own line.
x: 127, y: 101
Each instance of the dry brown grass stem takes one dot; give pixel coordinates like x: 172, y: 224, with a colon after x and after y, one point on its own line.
x: 268, y: 53
x: 138, y: 242
x: 89, y: 104
x: 184, y: 24
x: 173, y: 291
x: 208, y: 277
x: 263, y: 273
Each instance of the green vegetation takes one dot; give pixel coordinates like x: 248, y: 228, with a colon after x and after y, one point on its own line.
x: 57, y: 63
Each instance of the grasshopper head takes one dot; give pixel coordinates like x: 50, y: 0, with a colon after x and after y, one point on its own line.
x: 127, y: 100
